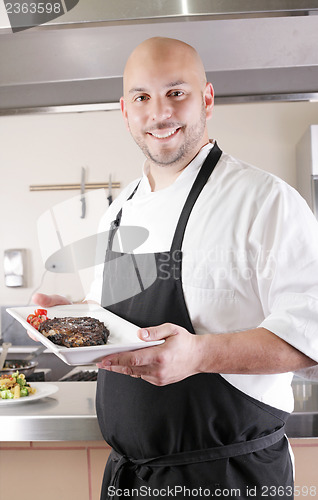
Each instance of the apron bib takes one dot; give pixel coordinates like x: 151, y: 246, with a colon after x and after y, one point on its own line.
x: 199, y: 434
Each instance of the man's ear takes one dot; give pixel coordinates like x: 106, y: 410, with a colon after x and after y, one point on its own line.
x: 209, y: 99
x: 124, y: 111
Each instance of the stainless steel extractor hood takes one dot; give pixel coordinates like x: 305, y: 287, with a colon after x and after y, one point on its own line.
x: 92, y: 12
x: 252, y: 50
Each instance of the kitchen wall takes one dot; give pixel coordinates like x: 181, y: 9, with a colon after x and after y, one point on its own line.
x: 52, y: 148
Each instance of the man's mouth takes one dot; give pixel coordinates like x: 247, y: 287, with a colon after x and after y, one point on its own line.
x: 165, y: 135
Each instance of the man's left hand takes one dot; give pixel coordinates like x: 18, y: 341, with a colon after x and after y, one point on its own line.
x: 163, y: 364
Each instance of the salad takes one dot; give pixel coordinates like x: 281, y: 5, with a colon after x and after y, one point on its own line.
x: 15, y: 386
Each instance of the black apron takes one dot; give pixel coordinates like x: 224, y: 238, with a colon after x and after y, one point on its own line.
x: 197, y: 435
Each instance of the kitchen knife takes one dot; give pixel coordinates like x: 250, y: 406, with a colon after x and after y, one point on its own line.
x: 110, y: 197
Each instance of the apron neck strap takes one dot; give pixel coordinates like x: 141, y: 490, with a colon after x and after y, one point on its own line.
x: 116, y: 223
x: 199, y: 183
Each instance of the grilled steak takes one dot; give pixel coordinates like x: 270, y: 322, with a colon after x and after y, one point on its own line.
x: 75, y: 332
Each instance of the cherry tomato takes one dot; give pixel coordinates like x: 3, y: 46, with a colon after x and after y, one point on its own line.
x: 40, y: 312
x: 37, y: 318
x: 30, y: 317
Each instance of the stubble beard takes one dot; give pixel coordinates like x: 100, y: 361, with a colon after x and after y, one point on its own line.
x: 165, y: 158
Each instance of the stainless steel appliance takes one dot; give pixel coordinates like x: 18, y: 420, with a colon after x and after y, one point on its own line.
x: 307, y: 167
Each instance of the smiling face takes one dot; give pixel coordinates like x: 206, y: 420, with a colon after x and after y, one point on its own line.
x: 166, y: 102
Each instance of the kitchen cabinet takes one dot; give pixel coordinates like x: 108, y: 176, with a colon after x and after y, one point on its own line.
x: 306, y: 459
x: 51, y: 470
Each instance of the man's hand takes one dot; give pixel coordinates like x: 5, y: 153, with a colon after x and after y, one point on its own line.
x: 43, y: 300
x: 163, y: 364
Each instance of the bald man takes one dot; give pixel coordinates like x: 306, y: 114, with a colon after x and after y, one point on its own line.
x: 226, y: 281
x: 151, y: 111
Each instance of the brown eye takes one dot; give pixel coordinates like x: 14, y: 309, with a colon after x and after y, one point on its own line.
x: 141, y: 98
x: 176, y: 93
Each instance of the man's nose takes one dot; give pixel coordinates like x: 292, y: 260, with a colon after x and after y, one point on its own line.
x: 161, y: 109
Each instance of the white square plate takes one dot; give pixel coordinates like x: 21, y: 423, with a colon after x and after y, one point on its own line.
x: 123, y: 335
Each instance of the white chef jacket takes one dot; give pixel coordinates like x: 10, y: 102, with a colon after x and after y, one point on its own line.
x: 250, y: 258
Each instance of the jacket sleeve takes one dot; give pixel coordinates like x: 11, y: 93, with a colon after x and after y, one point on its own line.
x: 285, y: 235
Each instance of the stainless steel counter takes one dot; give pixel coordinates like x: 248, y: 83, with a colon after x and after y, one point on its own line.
x: 69, y: 415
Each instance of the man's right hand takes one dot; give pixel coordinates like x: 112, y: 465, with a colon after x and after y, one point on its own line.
x: 43, y: 300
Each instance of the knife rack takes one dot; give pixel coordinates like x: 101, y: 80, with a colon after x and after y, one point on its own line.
x: 64, y: 187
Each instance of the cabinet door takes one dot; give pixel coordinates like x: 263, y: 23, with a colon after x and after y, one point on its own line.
x: 306, y: 463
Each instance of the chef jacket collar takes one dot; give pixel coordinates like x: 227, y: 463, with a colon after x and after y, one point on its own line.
x: 193, y: 166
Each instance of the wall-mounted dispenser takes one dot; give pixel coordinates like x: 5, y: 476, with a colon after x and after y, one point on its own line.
x: 14, y: 263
